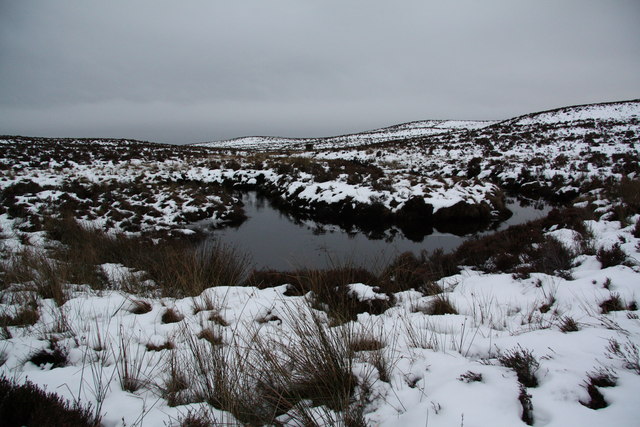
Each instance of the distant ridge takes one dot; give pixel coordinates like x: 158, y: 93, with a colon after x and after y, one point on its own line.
x: 616, y: 110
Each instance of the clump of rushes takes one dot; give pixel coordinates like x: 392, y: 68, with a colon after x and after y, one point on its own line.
x: 527, y: 406
x: 47, y: 276
x: 178, y: 267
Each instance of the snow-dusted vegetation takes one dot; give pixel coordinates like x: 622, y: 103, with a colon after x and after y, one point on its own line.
x: 126, y: 314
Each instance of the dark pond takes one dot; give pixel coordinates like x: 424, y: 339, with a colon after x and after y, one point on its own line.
x: 276, y: 241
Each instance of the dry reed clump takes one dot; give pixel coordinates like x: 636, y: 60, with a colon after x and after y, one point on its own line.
x: 299, y: 378
x: 23, y: 316
x: 212, y: 336
x: 178, y: 267
x: 175, y: 384
x: 45, y: 276
x: 439, y: 305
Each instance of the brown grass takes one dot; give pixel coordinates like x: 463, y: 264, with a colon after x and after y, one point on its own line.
x: 171, y: 315
x: 47, y: 277
x: 179, y: 267
x: 440, y: 304
x: 24, y: 316
x: 140, y: 307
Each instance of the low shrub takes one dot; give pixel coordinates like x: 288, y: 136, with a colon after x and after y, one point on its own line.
x: 553, y: 257
x: 527, y: 406
x: 611, y: 257
x: 28, y: 405
x: 330, y: 293
x: 568, y: 324
x: 524, y: 363
x: 613, y: 303
x: 54, y: 356
x: 600, y: 378
x: 408, y: 271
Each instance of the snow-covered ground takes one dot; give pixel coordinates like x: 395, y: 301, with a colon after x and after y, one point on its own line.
x: 440, y: 370
x: 243, y: 354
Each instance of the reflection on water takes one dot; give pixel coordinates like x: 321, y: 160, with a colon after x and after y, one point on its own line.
x: 276, y: 241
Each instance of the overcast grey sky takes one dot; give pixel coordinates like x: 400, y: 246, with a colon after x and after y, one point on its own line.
x: 190, y: 71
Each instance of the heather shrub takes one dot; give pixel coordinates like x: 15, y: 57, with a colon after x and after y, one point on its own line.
x: 28, y: 405
x: 611, y: 257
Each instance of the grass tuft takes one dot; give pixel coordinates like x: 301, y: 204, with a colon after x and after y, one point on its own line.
x: 568, y: 324
x: 470, y: 377
x: 524, y: 363
x: 627, y: 352
x: 210, y: 335
x: 171, y: 315
x: 167, y: 345
x: 439, y: 305
x: 140, y: 307
x: 613, y: 303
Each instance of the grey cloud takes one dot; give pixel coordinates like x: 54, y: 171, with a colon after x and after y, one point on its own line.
x: 204, y: 70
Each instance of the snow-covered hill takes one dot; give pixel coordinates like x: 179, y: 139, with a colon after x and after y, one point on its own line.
x: 567, y: 116
x: 391, y: 133
x: 619, y: 111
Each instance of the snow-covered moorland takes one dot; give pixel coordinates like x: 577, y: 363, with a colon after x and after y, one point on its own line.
x: 112, y: 301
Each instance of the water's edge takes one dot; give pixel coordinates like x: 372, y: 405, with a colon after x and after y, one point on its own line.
x: 276, y: 241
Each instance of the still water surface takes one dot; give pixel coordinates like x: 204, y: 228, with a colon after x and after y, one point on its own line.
x: 275, y: 241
